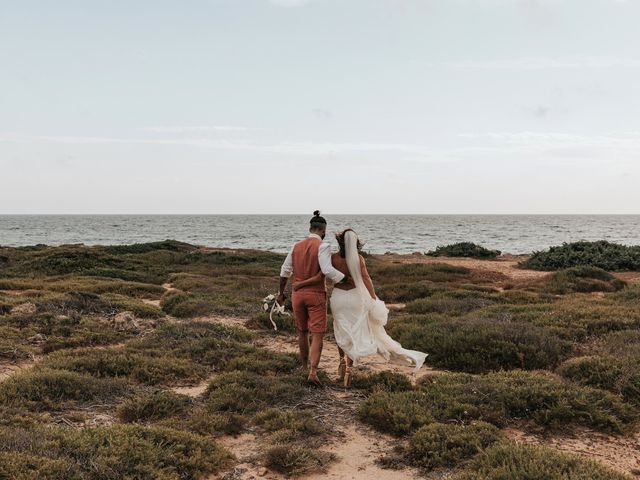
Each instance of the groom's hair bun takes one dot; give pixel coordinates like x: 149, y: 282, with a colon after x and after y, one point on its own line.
x: 317, y: 220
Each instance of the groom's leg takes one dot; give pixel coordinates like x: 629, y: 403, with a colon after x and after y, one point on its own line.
x: 316, y: 350
x: 302, y: 325
x: 303, y: 345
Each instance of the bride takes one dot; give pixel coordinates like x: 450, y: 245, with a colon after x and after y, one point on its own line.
x: 359, y: 316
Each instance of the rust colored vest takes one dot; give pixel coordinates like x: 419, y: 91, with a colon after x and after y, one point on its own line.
x: 305, y: 263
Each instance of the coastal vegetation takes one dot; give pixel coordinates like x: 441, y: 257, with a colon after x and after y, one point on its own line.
x: 602, y: 254
x: 464, y: 249
x: 145, y: 361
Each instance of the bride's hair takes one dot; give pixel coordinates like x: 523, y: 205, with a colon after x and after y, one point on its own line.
x: 340, y: 239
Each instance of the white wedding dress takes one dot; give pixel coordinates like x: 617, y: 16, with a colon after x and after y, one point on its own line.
x: 359, y: 320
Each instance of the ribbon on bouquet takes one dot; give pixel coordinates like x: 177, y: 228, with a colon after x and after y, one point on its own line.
x: 275, y: 308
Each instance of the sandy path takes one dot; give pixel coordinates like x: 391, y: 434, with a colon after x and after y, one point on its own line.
x: 8, y: 369
x: 506, y: 265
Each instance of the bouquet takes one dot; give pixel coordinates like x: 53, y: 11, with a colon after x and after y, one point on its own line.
x: 270, y: 304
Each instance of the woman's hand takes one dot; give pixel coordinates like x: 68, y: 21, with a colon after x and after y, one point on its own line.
x: 295, y: 286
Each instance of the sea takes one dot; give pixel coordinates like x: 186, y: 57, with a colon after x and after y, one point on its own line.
x: 516, y: 234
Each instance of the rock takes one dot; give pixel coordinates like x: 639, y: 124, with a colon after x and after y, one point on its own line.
x: 4, y: 260
x: 27, y: 308
x: 125, y: 321
x: 263, y: 471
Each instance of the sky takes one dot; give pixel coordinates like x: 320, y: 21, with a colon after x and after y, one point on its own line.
x: 349, y: 106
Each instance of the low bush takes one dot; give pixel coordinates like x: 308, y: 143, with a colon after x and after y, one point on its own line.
x: 108, y: 453
x: 45, y: 389
x: 602, y: 254
x: 297, y: 460
x: 617, y: 374
x: 150, y: 406
x: 147, y: 369
x: 292, y: 423
x: 513, y: 461
x: 452, y: 302
x: 447, y: 445
x: 582, y: 280
x: 497, y: 398
x: 383, y: 382
x: 407, y: 291
x: 464, y: 249
x: 478, y: 345
x: 247, y: 392
x: 413, y: 272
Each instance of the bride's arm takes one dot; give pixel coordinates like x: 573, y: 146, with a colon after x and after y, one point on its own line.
x: 309, y: 281
x: 366, y: 278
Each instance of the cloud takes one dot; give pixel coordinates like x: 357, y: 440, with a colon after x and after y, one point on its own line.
x: 195, y: 129
x: 543, y: 63
x: 322, y: 114
x: 289, y: 3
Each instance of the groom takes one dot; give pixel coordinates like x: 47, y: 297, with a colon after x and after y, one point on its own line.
x: 308, y: 258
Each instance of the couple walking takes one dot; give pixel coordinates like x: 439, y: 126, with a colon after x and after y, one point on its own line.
x: 359, y: 316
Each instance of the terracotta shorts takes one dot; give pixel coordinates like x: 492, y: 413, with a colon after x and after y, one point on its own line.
x: 310, y: 311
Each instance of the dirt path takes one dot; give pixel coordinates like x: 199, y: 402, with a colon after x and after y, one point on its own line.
x: 8, y: 368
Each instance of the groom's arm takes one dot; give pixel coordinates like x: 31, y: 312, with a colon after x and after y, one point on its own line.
x: 285, y: 272
x: 324, y: 259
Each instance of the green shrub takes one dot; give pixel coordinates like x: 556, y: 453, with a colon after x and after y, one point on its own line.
x: 446, y: 445
x: 292, y: 423
x: 477, y: 345
x: 453, y: 302
x: 29, y: 466
x: 296, y: 460
x: 513, y: 461
x: 108, y: 453
x: 412, y: 272
x: 407, y: 291
x: 247, y: 392
x: 496, y: 398
x: 602, y: 254
x: 45, y: 389
x: 383, y: 382
x: 583, y: 280
x: 151, y: 406
x: 147, y: 369
x: 464, y: 249
x: 617, y: 374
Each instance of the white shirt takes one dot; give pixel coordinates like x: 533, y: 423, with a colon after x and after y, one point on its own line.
x: 324, y: 259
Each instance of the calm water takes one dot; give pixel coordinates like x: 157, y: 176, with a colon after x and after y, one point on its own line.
x: 382, y: 233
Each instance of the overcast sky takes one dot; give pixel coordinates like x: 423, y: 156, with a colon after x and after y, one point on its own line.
x: 350, y: 106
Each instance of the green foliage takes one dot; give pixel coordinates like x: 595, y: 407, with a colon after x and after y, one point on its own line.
x: 452, y: 302
x: 150, y: 406
x: 247, y: 392
x: 617, y: 374
x: 108, y: 453
x: 407, y: 291
x: 512, y: 461
x: 582, y: 279
x: 434, y: 272
x: 479, y: 345
x: 602, y: 254
x: 382, y: 382
x: 446, y: 445
x: 290, y: 424
x: 464, y: 249
x: 46, y: 389
x: 496, y: 398
x: 150, y: 369
x: 297, y: 460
